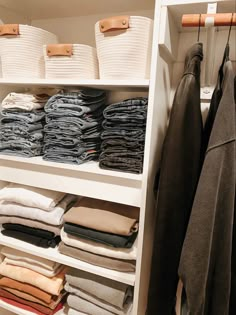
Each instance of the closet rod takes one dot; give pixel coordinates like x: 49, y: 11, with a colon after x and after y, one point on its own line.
x: 218, y: 19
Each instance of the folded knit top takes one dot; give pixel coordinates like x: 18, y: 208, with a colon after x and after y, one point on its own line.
x: 104, y: 216
x: 31, y: 196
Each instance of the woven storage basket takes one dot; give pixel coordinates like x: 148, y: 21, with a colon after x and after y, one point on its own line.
x: 124, y: 45
x: 22, y: 50
x: 71, y: 61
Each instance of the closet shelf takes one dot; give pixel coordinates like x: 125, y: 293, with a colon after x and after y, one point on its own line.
x: 19, y: 311
x: 54, y: 255
x: 134, y: 85
x: 87, y: 180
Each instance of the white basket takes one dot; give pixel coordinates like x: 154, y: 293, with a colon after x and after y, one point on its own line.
x: 124, y: 47
x: 22, y: 50
x: 71, y: 61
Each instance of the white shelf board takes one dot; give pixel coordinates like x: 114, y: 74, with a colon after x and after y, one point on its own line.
x: 86, y: 180
x: 44, y: 9
x: 54, y: 255
x: 134, y: 85
x: 20, y: 311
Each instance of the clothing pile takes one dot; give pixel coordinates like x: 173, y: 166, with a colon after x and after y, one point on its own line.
x: 102, y: 233
x: 33, y: 215
x: 124, y: 135
x: 31, y: 283
x: 73, y: 126
x: 22, y: 121
x: 93, y: 294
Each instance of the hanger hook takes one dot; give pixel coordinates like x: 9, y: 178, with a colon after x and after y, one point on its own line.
x: 231, y: 23
x: 199, y: 27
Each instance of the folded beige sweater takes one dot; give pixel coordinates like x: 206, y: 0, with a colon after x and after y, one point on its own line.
x: 104, y: 216
x: 51, y: 285
x: 18, y: 255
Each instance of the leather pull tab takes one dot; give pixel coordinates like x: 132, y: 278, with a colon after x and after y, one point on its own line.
x: 9, y: 29
x: 60, y: 50
x: 114, y: 23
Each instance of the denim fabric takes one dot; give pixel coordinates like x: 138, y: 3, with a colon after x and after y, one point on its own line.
x: 129, y: 135
x: 123, y: 138
x: 73, y: 126
x: 21, y: 132
x: 19, y: 115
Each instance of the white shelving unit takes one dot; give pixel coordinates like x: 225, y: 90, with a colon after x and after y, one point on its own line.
x: 73, y: 21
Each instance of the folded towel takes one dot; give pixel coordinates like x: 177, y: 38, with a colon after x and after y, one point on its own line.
x: 18, y: 255
x: 27, y: 288
x: 31, y: 223
x: 31, y: 196
x: 29, y: 308
x: 52, y: 285
x: 32, y: 239
x: 122, y: 241
x: 33, y: 267
x: 53, y: 217
x: 110, y: 291
x: 98, y: 302
x: 104, y: 216
x: 100, y: 249
x: 98, y: 260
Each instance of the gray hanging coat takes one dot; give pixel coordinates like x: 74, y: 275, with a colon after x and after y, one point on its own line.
x: 180, y: 170
x: 205, y: 265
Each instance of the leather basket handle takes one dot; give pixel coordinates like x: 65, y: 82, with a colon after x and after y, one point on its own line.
x: 9, y: 29
x: 59, y: 50
x: 114, y: 23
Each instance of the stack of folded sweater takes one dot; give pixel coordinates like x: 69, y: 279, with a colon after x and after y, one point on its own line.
x: 32, y: 283
x: 102, y: 233
x: 95, y: 295
x: 124, y: 135
x: 73, y: 126
x: 22, y: 122
x: 33, y: 215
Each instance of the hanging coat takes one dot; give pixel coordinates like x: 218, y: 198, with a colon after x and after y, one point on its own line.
x: 232, y: 306
x: 180, y: 168
x: 205, y: 266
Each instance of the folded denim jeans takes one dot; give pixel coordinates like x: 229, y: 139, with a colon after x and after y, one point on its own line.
x: 65, y: 157
x: 125, y: 125
x: 18, y: 115
x: 21, y: 128
x: 129, y: 135
x: 114, y: 144
x: 81, y: 123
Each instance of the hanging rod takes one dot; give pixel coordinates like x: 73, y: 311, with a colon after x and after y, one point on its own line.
x: 218, y: 19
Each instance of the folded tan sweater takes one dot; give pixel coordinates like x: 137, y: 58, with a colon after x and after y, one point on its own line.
x: 52, y: 285
x: 6, y: 282
x: 104, y: 216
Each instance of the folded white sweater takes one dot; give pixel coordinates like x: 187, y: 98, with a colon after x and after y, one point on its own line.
x: 100, y: 249
x: 54, y: 217
x: 31, y: 196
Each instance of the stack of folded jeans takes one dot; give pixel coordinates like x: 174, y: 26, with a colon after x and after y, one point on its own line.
x: 93, y: 294
x: 73, y: 126
x: 124, y: 135
x: 33, y: 215
x: 22, y: 121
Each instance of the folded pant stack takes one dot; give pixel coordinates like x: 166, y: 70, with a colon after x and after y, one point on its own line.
x: 22, y: 121
x: 33, y: 215
x: 95, y: 295
x: 123, y: 138
x: 32, y: 283
x: 73, y: 126
x: 102, y: 233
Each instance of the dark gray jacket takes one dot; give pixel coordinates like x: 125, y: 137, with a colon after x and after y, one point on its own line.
x: 180, y: 169
x: 205, y: 266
